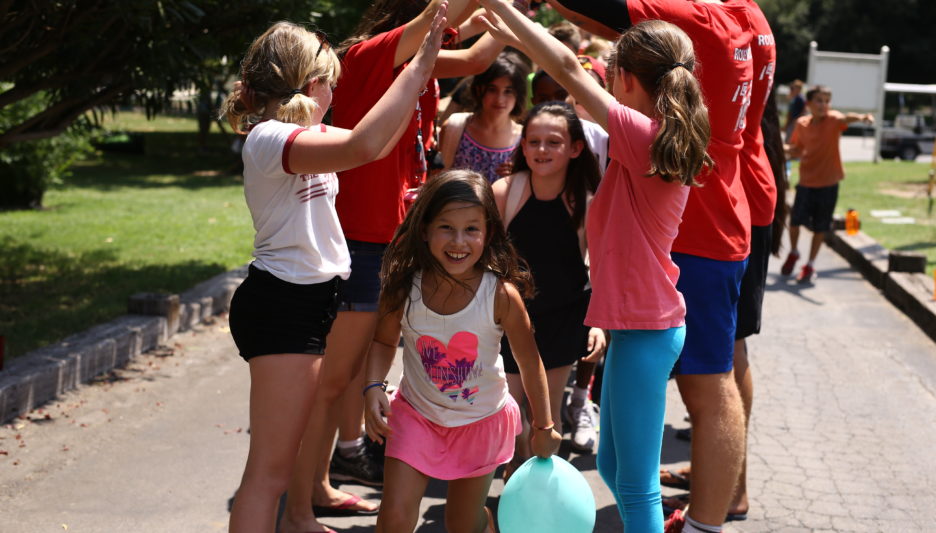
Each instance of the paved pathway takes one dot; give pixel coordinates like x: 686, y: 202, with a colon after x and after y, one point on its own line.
x: 841, y: 439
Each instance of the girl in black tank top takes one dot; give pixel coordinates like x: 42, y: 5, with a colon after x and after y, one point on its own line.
x: 544, y: 236
x: 557, y: 173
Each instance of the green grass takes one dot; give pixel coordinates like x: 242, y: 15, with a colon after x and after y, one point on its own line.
x: 891, y: 185
x: 122, y: 224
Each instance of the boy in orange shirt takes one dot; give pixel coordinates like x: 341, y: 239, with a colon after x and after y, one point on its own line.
x: 815, y: 141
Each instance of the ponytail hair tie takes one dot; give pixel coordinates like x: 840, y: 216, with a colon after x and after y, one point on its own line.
x: 294, y: 91
x: 678, y: 64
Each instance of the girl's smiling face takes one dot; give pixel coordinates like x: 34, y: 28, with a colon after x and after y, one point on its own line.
x: 547, y: 146
x: 456, y: 238
x: 499, y: 96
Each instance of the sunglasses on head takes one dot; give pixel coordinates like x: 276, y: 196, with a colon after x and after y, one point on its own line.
x: 323, y: 43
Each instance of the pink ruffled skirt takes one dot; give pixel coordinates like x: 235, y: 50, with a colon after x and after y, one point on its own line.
x: 457, y: 452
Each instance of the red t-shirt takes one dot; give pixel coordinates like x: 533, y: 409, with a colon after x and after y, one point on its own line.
x: 717, y: 220
x: 370, y: 204
x: 756, y: 174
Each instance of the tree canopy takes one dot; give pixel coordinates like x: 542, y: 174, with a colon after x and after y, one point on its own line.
x: 77, y: 55
x: 858, y: 26
x: 81, y: 54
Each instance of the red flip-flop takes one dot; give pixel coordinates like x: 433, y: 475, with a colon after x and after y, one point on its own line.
x: 348, y: 507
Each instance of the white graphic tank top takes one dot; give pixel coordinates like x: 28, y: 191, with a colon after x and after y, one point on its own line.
x: 453, y: 373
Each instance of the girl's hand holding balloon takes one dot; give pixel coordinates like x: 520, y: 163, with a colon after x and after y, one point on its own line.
x: 545, y: 442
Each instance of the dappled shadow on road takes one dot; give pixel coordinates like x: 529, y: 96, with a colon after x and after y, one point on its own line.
x: 48, y: 294
x: 788, y: 284
x: 674, y: 450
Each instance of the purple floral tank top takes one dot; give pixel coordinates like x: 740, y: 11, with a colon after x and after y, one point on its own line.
x: 473, y: 155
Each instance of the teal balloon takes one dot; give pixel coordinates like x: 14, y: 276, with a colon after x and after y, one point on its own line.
x: 546, y: 496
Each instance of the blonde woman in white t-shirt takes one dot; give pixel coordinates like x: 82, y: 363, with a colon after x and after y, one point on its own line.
x: 282, y: 312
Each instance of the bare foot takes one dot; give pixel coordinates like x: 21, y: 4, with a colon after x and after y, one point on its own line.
x: 305, y: 526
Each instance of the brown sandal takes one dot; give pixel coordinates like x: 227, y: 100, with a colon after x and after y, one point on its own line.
x: 675, y: 478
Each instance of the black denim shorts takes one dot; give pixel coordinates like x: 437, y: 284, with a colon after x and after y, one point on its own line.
x: 272, y: 316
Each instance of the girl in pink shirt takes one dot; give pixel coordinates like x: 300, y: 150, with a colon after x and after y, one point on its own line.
x: 658, y: 132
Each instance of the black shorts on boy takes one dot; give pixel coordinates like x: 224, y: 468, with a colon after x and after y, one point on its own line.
x: 813, y: 207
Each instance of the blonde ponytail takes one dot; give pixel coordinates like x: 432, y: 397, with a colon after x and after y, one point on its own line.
x: 276, y: 70
x: 297, y: 109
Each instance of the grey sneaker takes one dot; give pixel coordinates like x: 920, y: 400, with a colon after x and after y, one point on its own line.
x: 363, y: 468
x: 583, y: 422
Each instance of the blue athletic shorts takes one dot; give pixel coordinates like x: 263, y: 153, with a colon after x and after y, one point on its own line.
x: 711, y: 289
x: 362, y: 289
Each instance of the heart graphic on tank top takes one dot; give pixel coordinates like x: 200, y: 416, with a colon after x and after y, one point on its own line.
x: 448, y: 367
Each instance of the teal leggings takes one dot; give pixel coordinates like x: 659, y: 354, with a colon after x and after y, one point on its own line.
x: 633, y: 403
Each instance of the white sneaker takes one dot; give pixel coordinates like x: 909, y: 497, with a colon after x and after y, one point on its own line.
x: 583, y: 422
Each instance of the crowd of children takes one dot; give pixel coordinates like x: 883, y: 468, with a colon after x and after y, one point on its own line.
x: 623, y: 222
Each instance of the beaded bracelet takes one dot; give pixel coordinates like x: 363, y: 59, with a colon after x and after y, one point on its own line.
x: 381, y: 384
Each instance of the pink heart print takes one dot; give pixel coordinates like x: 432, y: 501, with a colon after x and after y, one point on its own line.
x: 450, y: 366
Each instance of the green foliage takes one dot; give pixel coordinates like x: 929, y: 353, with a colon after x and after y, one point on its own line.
x: 162, y: 221
x: 59, y: 59
x: 29, y: 168
x: 547, y: 16
x: 338, y: 18
x: 855, y: 26
x: 88, y: 54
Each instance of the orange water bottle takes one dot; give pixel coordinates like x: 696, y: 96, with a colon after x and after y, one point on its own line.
x: 852, y: 224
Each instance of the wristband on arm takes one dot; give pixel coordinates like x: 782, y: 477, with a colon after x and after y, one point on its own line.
x: 375, y: 383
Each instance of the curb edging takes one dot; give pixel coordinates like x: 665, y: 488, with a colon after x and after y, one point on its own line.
x: 42, y: 375
x: 911, y: 293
